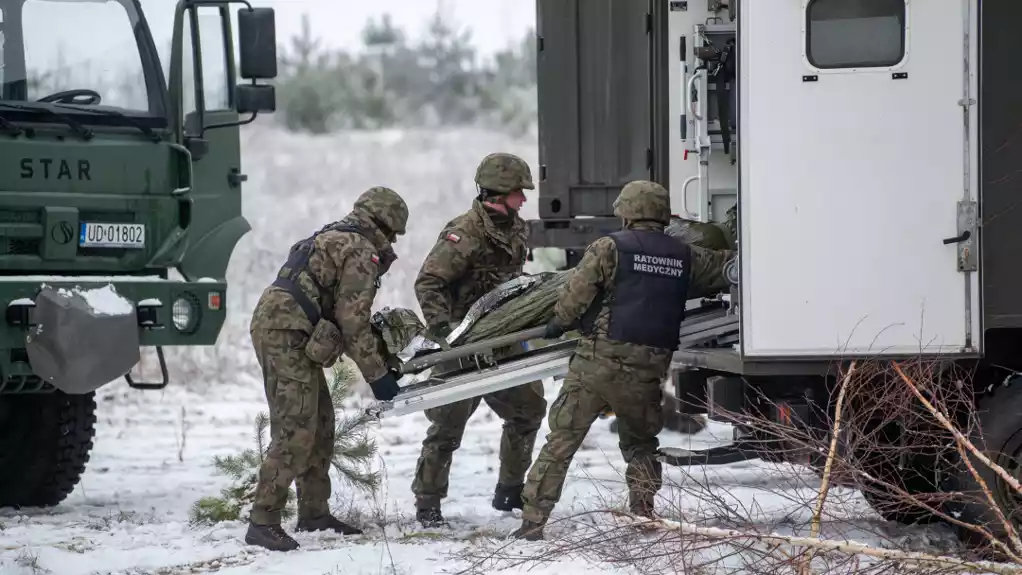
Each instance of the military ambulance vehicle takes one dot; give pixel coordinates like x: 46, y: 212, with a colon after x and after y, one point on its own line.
x: 870, y: 151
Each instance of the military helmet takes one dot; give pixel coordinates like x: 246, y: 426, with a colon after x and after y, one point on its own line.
x: 385, y: 206
x: 504, y: 173
x: 643, y: 200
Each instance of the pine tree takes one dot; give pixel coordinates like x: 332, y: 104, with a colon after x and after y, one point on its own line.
x: 353, y: 447
x: 310, y: 87
x: 352, y: 456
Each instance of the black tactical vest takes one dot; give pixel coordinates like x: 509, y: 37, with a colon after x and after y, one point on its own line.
x: 650, y: 290
x: 298, y: 261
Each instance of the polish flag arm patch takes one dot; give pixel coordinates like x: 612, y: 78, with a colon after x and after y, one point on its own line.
x: 453, y: 237
x: 375, y: 258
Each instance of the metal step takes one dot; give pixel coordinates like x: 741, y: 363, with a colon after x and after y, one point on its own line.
x: 539, y: 364
x: 722, y: 455
x: 707, y: 329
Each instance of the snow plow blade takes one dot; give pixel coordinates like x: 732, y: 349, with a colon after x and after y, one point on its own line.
x: 539, y: 364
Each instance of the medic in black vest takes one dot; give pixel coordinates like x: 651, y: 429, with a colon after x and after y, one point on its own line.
x: 627, y: 296
x: 645, y: 304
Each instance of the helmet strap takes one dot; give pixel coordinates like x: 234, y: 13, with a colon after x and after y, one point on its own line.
x: 485, y: 195
x: 491, y: 197
x: 391, y: 236
x: 497, y: 206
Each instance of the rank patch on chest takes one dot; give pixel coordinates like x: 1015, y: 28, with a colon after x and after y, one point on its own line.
x: 452, y: 237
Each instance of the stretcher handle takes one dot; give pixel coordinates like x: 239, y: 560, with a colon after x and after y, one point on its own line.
x: 469, y: 349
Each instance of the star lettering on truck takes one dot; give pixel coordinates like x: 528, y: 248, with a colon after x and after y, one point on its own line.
x: 53, y: 169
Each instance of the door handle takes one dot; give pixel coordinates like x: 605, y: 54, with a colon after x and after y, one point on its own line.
x: 235, y: 178
x: 958, y: 239
x: 188, y: 176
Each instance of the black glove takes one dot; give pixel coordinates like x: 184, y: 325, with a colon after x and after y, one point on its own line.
x: 439, y: 335
x: 554, y: 330
x: 442, y: 330
x: 385, y: 388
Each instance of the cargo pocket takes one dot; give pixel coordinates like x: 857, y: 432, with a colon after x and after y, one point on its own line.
x: 295, y: 404
x: 569, y: 425
x: 289, y: 361
x: 294, y: 433
x: 564, y: 412
x: 324, y: 345
x: 295, y: 340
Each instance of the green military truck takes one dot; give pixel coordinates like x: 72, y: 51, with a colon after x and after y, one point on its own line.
x: 100, y: 203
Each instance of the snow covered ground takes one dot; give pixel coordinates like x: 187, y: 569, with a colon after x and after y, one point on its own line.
x: 153, y: 451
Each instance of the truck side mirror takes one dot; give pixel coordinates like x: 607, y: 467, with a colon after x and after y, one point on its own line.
x: 257, y: 43
x: 255, y: 98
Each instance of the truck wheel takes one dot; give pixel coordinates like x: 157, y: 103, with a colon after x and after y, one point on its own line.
x: 917, y: 477
x: 998, y: 415
x: 45, y: 441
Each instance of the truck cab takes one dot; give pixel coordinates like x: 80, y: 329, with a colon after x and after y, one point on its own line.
x: 120, y: 206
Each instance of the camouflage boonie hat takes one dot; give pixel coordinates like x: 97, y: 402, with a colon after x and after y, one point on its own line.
x: 643, y: 200
x: 385, y: 206
x: 504, y: 173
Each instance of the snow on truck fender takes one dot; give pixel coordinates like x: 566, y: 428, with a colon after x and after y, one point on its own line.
x: 82, y: 339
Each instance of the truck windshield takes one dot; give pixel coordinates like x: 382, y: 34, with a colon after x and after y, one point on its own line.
x: 87, y: 54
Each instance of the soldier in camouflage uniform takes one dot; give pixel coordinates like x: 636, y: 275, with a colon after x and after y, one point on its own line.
x: 318, y: 308
x: 627, y: 297
x: 474, y: 253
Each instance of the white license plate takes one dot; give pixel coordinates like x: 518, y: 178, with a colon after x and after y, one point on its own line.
x: 100, y: 235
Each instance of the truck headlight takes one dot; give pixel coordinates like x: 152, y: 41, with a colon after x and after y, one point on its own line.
x: 184, y: 313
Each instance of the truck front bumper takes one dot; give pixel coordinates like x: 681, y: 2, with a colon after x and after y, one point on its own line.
x: 168, y: 312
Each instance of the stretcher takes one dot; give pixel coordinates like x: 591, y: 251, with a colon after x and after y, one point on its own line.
x: 479, y: 373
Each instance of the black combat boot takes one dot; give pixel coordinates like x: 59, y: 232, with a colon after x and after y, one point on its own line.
x: 530, y: 531
x: 272, y: 537
x: 430, y: 517
x: 327, y: 522
x: 508, y: 497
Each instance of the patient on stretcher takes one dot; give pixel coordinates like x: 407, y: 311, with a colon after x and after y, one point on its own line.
x: 518, y: 304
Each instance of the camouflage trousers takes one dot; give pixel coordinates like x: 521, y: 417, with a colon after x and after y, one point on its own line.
x: 301, y: 428
x: 522, y: 408
x: 589, y: 388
